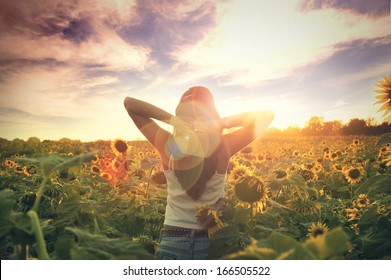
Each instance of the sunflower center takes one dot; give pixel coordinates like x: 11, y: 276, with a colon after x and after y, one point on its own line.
x: 250, y: 190
x: 121, y: 146
x: 317, y: 232
x: 307, y: 174
x: 354, y: 173
x: 280, y: 174
x: 362, y: 201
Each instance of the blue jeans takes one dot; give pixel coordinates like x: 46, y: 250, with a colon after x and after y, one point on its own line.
x: 182, y: 248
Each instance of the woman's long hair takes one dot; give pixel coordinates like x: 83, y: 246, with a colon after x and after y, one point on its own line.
x: 198, y: 102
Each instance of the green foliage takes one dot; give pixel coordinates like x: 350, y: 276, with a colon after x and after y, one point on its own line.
x: 384, y: 139
x: 279, y: 246
x: 62, y: 209
x: 376, y: 184
x: 88, y: 246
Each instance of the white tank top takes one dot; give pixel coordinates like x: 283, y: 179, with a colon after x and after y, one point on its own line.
x: 181, y: 208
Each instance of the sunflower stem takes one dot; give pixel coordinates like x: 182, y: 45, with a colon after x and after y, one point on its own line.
x: 251, y: 217
x: 36, y: 227
x: 39, y: 194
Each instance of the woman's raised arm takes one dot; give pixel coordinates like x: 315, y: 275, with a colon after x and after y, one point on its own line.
x: 143, y: 115
x: 252, y: 125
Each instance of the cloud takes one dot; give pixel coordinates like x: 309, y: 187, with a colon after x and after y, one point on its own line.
x: 165, y: 26
x: 352, y: 62
x: 340, y: 103
x: 71, y: 32
x: 259, y: 40
x: 374, y: 8
x: 22, y: 124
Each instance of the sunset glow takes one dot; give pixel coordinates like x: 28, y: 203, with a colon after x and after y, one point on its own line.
x: 66, y: 67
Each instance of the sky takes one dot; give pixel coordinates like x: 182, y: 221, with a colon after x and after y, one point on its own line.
x: 66, y: 66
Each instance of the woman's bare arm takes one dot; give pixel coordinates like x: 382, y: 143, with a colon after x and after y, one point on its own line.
x: 144, y: 109
x: 143, y: 115
x: 252, y: 125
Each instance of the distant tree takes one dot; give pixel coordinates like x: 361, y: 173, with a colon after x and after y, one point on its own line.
x: 3, y: 141
x: 292, y: 131
x: 355, y: 127
x: 332, y: 128
x: 33, y: 141
x: 314, y: 126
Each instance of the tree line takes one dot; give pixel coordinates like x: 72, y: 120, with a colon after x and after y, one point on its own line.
x: 316, y: 126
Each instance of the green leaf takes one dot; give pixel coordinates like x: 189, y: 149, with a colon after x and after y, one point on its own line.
x: 51, y: 163
x: 286, y: 247
x: 253, y: 252
x: 334, y: 243
x: 368, y: 218
x: 98, y: 247
x: 76, y: 160
x: 376, y: 245
x: 297, y: 180
x: 276, y: 246
x: 375, y: 184
x: 384, y: 140
x: 224, y: 242
x: 6, y: 203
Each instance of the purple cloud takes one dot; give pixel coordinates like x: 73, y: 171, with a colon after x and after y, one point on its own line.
x: 373, y: 8
x: 35, y: 18
x: 160, y: 25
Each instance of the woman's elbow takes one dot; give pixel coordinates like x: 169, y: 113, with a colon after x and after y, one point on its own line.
x: 128, y: 103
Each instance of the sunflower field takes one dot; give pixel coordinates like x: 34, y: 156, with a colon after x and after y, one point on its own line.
x: 301, y: 198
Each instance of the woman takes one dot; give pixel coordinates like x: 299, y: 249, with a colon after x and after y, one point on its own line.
x: 195, y: 159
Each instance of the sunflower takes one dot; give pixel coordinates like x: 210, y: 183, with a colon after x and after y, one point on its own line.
x: 19, y: 169
x: 317, y: 229
x: 10, y: 163
x: 334, y: 156
x: 30, y: 170
x: 317, y: 168
x: 388, y: 160
x: 351, y: 213
x: 252, y: 192
x: 141, y: 155
x: 95, y: 159
x: 356, y: 143
x: 296, y: 154
x: 107, y: 176
x: 209, y: 219
x: 384, y: 96
x: 119, y: 147
x: 307, y: 175
x: 293, y: 168
x: 116, y: 165
x: 354, y: 174
x: 280, y: 174
x: 95, y: 169
x: 362, y: 200
x: 337, y: 167
x: 303, y: 206
x: 239, y: 171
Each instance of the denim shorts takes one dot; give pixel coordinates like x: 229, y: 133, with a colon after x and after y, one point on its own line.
x: 182, y: 248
